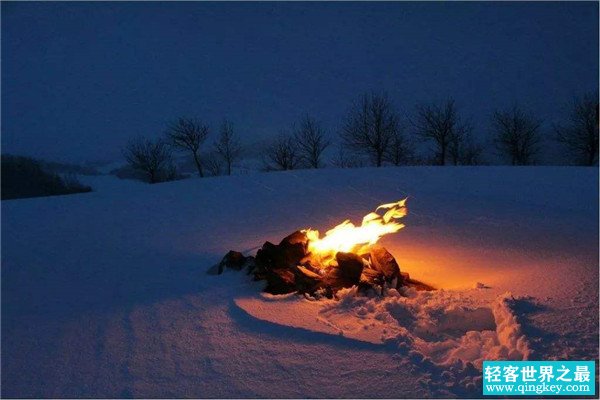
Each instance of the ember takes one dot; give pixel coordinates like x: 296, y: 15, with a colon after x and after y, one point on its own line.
x: 346, y: 256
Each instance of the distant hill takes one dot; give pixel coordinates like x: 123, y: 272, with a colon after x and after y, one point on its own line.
x: 66, y: 168
x: 27, y: 177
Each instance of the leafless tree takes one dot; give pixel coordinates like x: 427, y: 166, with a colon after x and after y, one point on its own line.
x: 516, y: 135
x: 343, y: 159
x: 370, y: 127
x: 463, y: 149
x: 188, y: 134
x: 212, y: 163
x: 471, y: 152
x: 442, y: 125
x: 456, y: 147
x: 153, y: 158
x: 580, y: 135
x: 282, y: 153
x: 311, y: 141
x: 228, y: 146
x: 399, y: 150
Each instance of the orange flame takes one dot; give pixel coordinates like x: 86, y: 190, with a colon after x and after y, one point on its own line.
x: 347, y: 237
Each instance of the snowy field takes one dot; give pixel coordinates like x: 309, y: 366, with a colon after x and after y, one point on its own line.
x: 106, y: 294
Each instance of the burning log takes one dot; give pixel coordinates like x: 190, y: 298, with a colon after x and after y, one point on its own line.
x: 308, y: 281
x: 384, y: 263
x: 277, y: 263
x: 280, y: 281
x: 346, y: 273
x: 347, y: 256
x: 234, y: 260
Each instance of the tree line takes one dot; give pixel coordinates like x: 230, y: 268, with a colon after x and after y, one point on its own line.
x: 374, y: 133
x: 154, y: 158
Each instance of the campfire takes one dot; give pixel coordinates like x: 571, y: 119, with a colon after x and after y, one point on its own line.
x: 346, y: 256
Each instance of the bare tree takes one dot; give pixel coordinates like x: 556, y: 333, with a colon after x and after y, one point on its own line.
x: 212, y: 164
x: 281, y: 153
x: 456, y: 147
x: 399, y: 151
x: 442, y: 125
x: 370, y: 127
x: 188, y: 134
x: 153, y: 158
x: 345, y: 160
x: 228, y: 146
x: 580, y: 135
x: 470, y: 151
x: 463, y: 150
x: 311, y: 141
x: 516, y: 135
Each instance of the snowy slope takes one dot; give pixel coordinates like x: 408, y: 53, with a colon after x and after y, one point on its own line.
x: 105, y: 294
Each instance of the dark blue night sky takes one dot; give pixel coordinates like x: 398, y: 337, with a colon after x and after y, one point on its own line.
x: 79, y: 79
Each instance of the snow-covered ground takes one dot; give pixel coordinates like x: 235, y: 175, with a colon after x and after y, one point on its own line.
x: 105, y: 294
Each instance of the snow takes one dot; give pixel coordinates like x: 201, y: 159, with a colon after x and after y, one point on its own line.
x: 105, y: 294
x: 447, y: 326
x: 444, y: 329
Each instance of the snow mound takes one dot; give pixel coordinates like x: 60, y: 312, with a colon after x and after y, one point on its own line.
x: 513, y: 343
x: 439, y: 332
x: 446, y: 326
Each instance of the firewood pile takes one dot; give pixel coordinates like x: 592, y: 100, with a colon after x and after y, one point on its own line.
x: 289, y: 267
